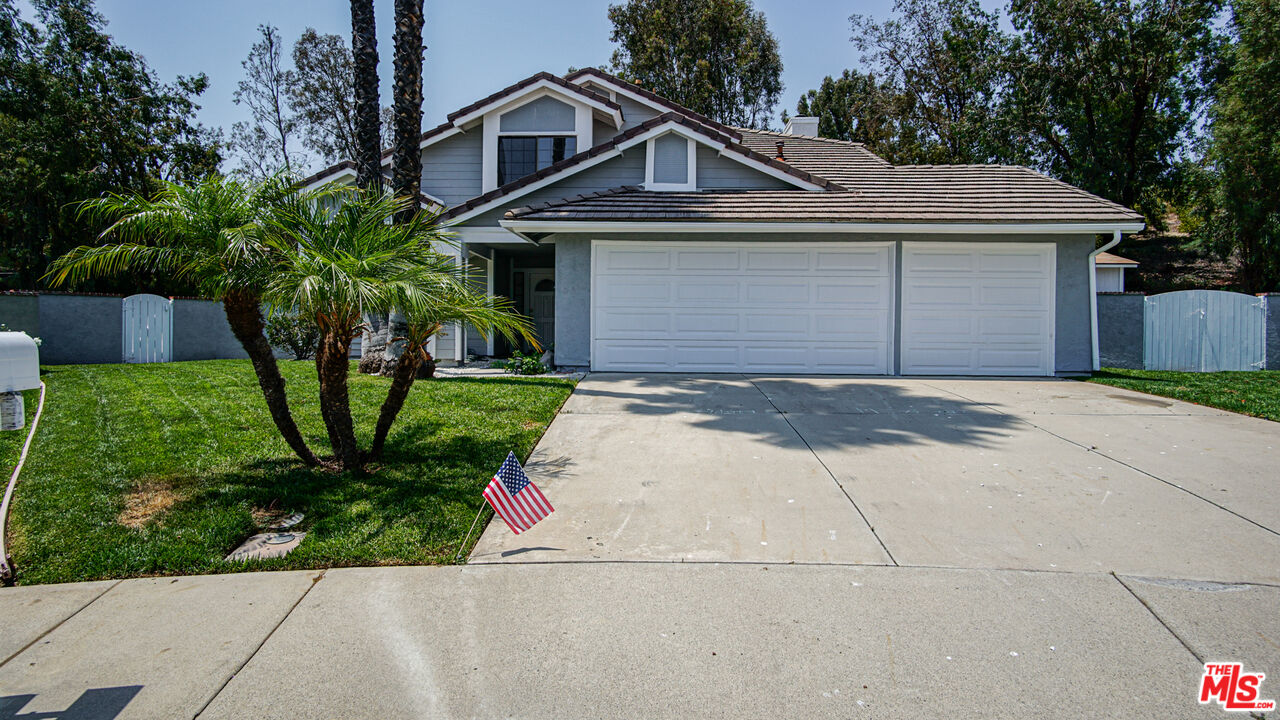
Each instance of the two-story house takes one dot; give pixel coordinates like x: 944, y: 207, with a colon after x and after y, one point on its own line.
x: 642, y: 236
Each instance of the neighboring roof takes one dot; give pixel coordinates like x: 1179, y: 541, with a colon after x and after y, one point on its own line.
x: 1106, y: 258
x: 533, y: 80
x: 622, y: 138
x: 917, y: 194
x: 654, y: 98
x: 839, y: 160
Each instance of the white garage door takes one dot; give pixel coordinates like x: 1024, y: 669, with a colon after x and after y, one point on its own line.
x: 742, y: 307
x: 977, y: 308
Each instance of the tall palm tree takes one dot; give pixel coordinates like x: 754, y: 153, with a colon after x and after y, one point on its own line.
x: 208, y: 233
x: 364, y: 51
x: 451, y: 301
x: 406, y: 157
x: 342, y: 257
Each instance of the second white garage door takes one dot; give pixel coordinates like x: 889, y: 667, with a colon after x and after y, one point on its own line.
x: 977, y: 308
x: 753, y: 307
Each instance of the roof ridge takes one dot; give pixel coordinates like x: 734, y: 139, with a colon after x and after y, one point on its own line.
x: 647, y: 93
x: 833, y: 141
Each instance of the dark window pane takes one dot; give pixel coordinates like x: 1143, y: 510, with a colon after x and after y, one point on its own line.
x: 519, y: 156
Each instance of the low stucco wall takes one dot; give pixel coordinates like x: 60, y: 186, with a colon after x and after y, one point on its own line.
x: 79, y: 329
x: 201, y: 332
x: 1120, y: 329
x: 83, y: 329
x: 1073, y: 340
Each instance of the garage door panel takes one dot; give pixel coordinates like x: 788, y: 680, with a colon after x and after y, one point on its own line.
x: 1011, y: 295
x: 698, y: 324
x: 632, y: 292
x: 635, y: 324
x: 930, y: 294
x: 707, y: 260
x: 623, y: 259
x: 773, y: 261
x: 941, y: 261
x: 872, y: 262
x: 708, y: 291
x: 978, y: 309
x: 851, y: 292
x: 758, y: 307
x: 796, y: 292
x: 1019, y: 263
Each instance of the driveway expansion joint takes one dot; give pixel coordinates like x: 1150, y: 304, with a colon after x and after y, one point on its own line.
x: 60, y: 623
x: 1159, y: 619
x: 1094, y: 449
x: 240, y: 668
x: 824, y: 467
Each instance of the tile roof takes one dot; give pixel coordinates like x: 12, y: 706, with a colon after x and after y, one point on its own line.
x: 839, y: 160
x: 531, y: 80
x: 642, y: 128
x: 983, y: 194
x: 735, y: 133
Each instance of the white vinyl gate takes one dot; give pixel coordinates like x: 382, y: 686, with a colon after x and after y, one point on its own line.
x: 148, y: 329
x: 1204, y: 331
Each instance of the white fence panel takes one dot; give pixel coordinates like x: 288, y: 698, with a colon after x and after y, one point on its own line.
x: 148, y: 328
x: 1204, y: 331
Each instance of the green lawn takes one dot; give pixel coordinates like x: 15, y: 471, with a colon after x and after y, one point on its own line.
x: 1252, y: 393
x: 162, y: 469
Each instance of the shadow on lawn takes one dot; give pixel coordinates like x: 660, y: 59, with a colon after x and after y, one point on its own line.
x: 407, y: 509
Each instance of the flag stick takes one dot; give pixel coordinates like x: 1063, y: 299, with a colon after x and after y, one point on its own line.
x: 483, y: 505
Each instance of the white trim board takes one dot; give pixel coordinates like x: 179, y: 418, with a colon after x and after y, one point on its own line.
x: 569, y: 226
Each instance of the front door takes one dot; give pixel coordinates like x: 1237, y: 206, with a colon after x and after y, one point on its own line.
x: 541, y: 288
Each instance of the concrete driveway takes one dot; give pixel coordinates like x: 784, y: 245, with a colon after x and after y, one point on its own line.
x: 1050, y: 475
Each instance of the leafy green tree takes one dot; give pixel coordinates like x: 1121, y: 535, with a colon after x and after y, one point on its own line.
x: 81, y: 116
x: 939, y: 64
x: 264, y: 144
x: 863, y: 108
x: 1238, y: 206
x: 210, y: 234
x: 1102, y: 93
x: 715, y: 57
x: 339, y: 258
x: 322, y: 95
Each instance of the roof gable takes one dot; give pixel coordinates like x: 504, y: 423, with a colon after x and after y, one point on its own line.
x: 667, y: 122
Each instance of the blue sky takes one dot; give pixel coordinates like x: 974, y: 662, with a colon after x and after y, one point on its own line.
x: 473, y: 47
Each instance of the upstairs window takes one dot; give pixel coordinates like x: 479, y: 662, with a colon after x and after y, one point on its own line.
x: 520, y: 155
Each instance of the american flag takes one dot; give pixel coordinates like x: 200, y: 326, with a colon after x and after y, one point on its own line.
x: 515, y: 498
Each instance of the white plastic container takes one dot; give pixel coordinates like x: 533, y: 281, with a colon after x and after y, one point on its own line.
x: 19, y: 370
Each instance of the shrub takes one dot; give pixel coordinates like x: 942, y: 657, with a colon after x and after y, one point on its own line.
x: 290, y: 330
x: 522, y: 364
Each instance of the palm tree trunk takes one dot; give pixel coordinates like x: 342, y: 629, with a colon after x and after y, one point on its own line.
x: 402, y: 380
x: 406, y: 159
x: 332, y: 367
x: 364, y: 50
x: 244, y: 315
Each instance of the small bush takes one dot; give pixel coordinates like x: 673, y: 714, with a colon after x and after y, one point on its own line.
x: 290, y: 330
x: 522, y: 364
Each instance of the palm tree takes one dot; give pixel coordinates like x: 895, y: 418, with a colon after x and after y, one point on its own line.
x: 208, y: 233
x: 452, y: 301
x: 340, y: 258
x: 364, y: 51
x: 406, y: 157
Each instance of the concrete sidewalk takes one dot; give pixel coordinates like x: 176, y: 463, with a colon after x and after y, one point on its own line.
x: 629, y: 640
